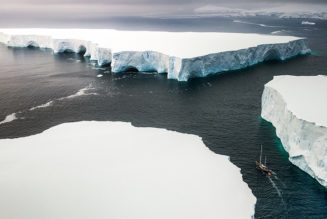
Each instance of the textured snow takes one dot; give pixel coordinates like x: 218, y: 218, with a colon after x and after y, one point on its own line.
x: 91, y: 170
x: 182, y: 55
x: 297, y: 106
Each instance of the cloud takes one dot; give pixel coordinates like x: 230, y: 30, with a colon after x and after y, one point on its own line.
x: 93, y: 9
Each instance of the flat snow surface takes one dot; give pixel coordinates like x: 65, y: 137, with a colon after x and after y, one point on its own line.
x: 305, y: 96
x: 114, y: 170
x: 179, y: 44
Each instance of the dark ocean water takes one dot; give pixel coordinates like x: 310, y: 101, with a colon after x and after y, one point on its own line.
x: 224, y: 110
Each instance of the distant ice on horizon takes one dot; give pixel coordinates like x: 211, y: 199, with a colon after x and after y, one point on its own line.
x: 308, y: 23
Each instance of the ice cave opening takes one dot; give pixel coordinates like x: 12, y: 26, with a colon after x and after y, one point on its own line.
x: 131, y: 69
x: 32, y: 45
x: 272, y: 55
x: 81, y: 50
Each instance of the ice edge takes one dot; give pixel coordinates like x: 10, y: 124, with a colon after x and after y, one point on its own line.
x: 177, y: 68
x: 248, y: 201
x: 303, y: 140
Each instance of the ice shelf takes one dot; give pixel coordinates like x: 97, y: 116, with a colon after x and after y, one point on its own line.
x: 182, y: 55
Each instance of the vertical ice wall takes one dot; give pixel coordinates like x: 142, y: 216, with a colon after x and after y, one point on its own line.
x: 183, y: 69
x: 101, y: 55
x: 178, y: 68
x: 305, y: 141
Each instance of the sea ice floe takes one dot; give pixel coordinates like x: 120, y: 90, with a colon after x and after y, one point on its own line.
x: 114, y: 170
x: 47, y: 104
x: 9, y: 118
x: 308, y: 23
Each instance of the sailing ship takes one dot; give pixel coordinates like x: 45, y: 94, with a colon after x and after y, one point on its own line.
x: 263, y: 167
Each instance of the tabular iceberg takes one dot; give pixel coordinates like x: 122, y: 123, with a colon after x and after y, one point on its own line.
x: 297, y: 107
x: 180, y: 55
x: 91, y: 170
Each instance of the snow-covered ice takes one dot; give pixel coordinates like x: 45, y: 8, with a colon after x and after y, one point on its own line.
x: 297, y: 107
x: 92, y: 170
x: 81, y: 92
x: 308, y: 23
x: 45, y: 105
x: 9, y: 118
x: 182, y: 55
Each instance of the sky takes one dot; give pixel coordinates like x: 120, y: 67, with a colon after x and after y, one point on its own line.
x: 24, y: 11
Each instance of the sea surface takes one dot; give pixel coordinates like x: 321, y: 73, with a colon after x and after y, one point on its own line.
x: 39, y: 90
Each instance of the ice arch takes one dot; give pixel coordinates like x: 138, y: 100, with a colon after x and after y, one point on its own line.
x: 131, y: 69
x: 32, y: 44
x: 272, y: 55
x: 65, y: 47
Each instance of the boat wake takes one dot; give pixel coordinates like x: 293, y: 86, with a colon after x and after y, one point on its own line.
x: 281, y: 182
x: 278, y: 191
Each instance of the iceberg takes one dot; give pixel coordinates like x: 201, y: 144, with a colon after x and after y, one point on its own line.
x: 91, y: 170
x: 297, y: 106
x: 181, y: 55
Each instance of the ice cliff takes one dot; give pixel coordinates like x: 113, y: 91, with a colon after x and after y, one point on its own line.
x: 183, y: 69
x: 297, y: 107
x: 180, y: 55
x: 101, y: 55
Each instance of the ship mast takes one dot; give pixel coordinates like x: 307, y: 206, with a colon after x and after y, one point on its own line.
x: 260, y: 154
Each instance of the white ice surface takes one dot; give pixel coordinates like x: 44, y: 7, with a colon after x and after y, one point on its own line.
x: 308, y: 23
x: 305, y: 96
x: 114, y: 170
x: 179, y: 44
x: 45, y: 105
x: 9, y: 118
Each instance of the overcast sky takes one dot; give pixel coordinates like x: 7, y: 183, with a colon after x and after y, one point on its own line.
x: 131, y: 7
x: 23, y: 10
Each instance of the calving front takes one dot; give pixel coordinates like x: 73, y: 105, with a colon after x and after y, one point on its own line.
x: 181, y: 55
